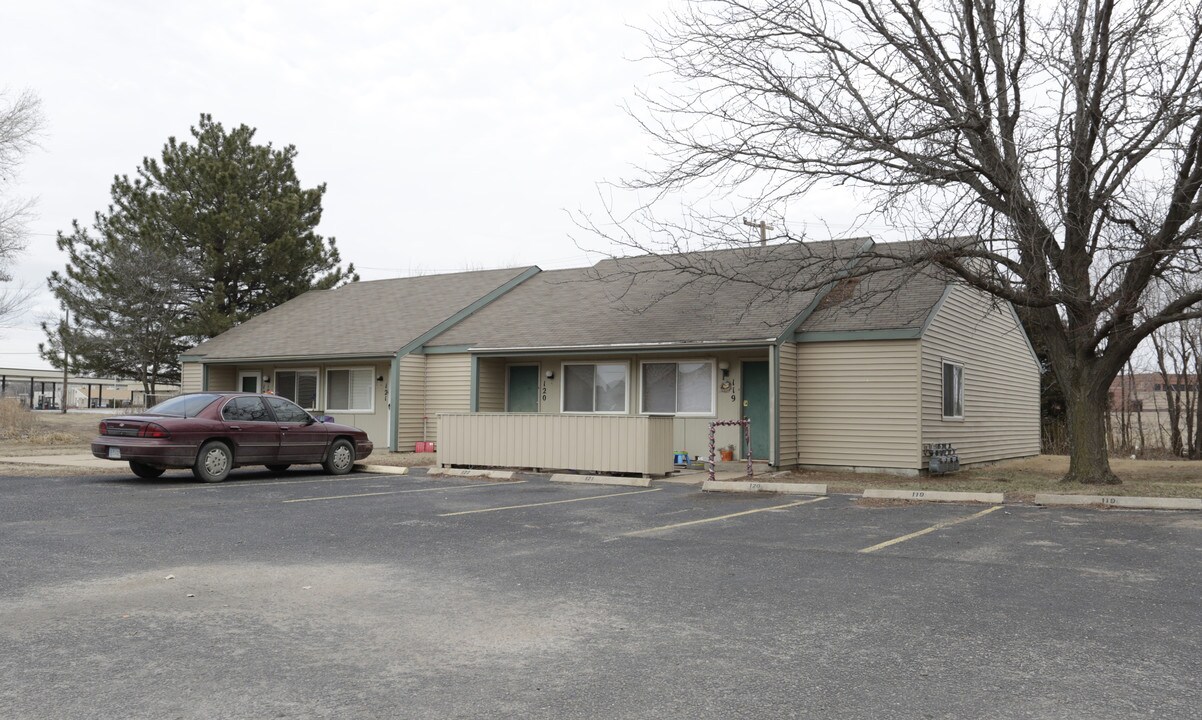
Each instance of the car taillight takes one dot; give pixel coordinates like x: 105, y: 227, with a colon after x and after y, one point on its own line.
x: 153, y: 430
x: 104, y: 428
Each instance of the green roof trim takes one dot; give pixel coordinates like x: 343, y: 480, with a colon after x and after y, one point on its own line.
x: 415, y: 345
x: 627, y: 350
x: 825, y: 290
x: 1026, y: 338
x: 443, y: 350
x: 290, y: 359
x: 858, y: 335
x: 463, y: 314
x: 947, y: 291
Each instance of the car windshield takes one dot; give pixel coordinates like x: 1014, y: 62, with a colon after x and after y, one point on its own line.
x: 183, y: 405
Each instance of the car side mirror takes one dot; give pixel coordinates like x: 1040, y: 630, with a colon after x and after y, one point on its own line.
x: 309, y: 420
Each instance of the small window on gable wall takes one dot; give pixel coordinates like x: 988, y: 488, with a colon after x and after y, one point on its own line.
x: 953, y: 390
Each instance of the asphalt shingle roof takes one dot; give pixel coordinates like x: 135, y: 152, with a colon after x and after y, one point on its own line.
x: 744, y: 294
x: 890, y: 299
x: 374, y: 318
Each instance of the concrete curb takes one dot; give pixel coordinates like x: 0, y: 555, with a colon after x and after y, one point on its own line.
x: 601, y: 480
x: 465, y: 472
x: 1142, y: 503
x: 758, y: 487
x: 934, y: 495
x: 381, y: 469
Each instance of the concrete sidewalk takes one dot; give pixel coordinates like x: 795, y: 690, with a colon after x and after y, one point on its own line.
x: 696, y: 477
x: 76, y: 460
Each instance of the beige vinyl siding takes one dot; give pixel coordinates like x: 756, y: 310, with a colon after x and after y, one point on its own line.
x: 192, y: 377
x: 411, y: 401
x: 222, y: 378
x: 587, y: 443
x: 448, y: 387
x: 857, y: 404
x: 788, y: 404
x: 1001, y: 380
x: 490, y: 374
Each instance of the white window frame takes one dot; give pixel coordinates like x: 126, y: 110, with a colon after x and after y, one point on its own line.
x: 943, y: 385
x: 713, y: 411
x: 256, y: 374
x: 275, y: 388
x: 563, y: 389
x: 371, y: 371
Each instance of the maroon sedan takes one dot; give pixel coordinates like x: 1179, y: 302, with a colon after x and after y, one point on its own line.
x: 213, y: 433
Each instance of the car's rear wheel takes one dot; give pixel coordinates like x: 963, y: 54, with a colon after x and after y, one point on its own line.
x: 143, y: 470
x: 278, y: 468
x: 214, y: 462
x: 341, y: 457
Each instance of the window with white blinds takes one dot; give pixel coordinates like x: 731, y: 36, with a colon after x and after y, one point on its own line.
x: 299, y: 386
x: 349, y: 390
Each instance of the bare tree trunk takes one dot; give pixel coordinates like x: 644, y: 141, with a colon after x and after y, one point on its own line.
x: 1196, y: 431
x: 1124, y: 412
x: 1172, y: 397
x: 1088, y: 461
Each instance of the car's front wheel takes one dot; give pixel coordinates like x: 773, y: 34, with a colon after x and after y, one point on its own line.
x: 341, y: 457
x: 214, y: 462
x: 143, y: 470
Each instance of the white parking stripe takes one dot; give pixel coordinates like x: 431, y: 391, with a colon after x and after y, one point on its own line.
x: 673, y: 526
x: 931, y: 529
x: 551, y: 502
x: 340, y: 478
x: 477, y: 486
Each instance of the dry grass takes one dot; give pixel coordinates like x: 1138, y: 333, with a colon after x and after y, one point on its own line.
x: 19, y: 426
x: 1021, y: 479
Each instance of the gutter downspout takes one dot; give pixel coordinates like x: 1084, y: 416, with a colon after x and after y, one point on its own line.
x: 774, y: 398
x: 394, y: 397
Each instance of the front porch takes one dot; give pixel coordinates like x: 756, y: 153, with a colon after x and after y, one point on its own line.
x: 686, y: 388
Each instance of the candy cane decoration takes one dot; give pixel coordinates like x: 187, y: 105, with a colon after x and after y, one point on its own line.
x: 746, y: 423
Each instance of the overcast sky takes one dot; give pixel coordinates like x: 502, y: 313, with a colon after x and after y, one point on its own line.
x: 451, y: 136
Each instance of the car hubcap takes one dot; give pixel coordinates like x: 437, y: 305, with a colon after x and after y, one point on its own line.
x: 342, y: 456
x: 216, y: 463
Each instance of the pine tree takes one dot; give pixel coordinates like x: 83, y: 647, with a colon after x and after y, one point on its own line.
x: 213, y: 232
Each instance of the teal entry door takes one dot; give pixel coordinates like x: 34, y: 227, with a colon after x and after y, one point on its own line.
x: 521, y: 391
x: 755, y: 407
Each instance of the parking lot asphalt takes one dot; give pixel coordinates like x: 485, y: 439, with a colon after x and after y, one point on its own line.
x: 388, y: 596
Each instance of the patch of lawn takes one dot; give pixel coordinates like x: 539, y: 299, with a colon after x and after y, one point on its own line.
x: 1022, y: 479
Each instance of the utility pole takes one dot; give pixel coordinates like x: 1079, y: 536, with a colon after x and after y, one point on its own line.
x: 764, y: 228
x: 63, y: 335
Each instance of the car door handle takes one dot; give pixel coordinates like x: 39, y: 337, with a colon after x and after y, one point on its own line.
x: 283, y: 429
x: 235, y: 427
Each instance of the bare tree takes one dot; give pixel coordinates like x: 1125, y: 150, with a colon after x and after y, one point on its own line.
x: 20, y: 119
x: 1065, y: 138
x: 1172, y: 360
